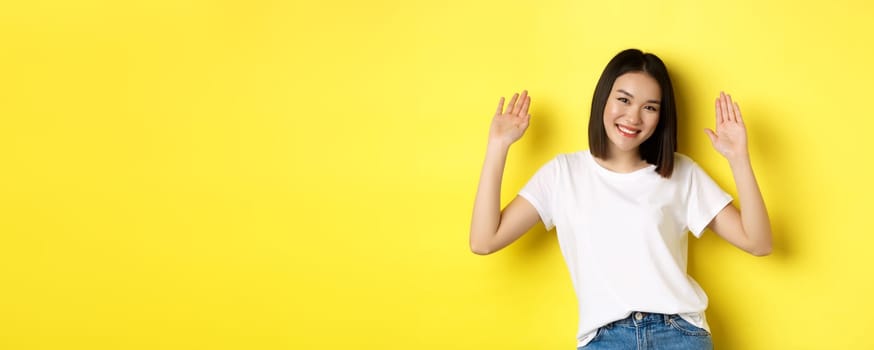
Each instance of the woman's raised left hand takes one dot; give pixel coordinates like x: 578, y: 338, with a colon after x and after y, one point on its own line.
x: 730, y: 137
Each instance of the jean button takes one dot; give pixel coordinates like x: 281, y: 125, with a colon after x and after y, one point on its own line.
x: 638, y: 316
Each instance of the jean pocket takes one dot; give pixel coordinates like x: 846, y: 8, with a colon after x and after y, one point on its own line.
x: 683, y: 326
x: 599, y: 333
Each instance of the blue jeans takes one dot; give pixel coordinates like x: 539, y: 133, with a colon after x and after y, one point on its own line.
x: 645, y: 331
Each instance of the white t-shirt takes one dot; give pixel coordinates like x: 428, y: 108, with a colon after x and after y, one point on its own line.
x: 624, y: 235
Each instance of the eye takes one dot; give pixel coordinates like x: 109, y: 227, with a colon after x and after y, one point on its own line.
x: 623, y: 99
x: 652, y: 108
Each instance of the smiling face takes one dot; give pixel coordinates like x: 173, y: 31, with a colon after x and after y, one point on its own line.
x: 632, y: 112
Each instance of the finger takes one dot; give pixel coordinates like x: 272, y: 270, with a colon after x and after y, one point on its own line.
x: 500, y: 107
x: 525, y: 121
x: 518, y: 107
x: 525, y: 104
x: 719, y: 118
x: 722, y: 107
x: 737, y: 113
x: 512, y: 103
x: 711, y: 135
x: 729, y: 109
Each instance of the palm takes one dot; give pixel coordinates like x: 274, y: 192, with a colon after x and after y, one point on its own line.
x: 509, y: 125
x: 730, y: 137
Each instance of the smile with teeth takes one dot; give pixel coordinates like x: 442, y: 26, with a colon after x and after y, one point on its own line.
x: 626, y: 131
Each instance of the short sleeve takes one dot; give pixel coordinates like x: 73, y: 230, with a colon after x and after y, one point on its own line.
x: 540, y: 191
x: 705, y: 200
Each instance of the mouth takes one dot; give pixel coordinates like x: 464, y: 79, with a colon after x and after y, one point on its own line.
x: 626, y: 131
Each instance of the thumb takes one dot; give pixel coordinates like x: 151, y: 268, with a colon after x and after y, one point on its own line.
x: 711, y: 135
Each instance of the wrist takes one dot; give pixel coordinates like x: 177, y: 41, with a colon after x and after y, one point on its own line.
x: 739, y: 160
x: 499, y: 144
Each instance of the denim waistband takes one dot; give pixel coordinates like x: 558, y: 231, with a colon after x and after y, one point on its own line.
x: 639, y: 318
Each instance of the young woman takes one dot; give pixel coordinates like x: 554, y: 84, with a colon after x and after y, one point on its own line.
x: 622, y: 208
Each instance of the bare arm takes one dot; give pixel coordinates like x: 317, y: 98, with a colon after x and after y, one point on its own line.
x: 749, y: 228
x: 490, y: 228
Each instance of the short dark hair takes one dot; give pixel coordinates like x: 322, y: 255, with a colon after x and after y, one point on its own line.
x: 660, y: 147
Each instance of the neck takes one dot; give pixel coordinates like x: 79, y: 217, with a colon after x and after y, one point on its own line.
x: 623, y: 162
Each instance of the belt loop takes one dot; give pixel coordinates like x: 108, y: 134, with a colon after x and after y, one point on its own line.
x: 667, y: 319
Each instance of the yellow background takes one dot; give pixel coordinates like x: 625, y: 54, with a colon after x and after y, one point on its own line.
x: 300, y: 175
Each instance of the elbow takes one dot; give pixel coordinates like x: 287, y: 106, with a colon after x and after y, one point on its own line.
x: 759, y: 243
x: 480, y: 249
x: 763, y: 250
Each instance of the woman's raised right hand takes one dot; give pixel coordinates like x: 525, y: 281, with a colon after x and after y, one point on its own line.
x: 508, y: 126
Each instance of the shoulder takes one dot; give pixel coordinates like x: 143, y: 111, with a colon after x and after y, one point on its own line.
x: 572, y: 158
x: 683, y: 163
x: 682, y: 160
x: 578, y: 160
x: 582, y: 156
x: 568, y: 162
x: 686, y: 169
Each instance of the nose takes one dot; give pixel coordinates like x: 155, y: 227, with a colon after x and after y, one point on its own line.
x: 634, y: 116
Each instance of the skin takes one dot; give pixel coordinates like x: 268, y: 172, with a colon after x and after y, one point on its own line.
x: 634, y: 104
x: 493, y: 229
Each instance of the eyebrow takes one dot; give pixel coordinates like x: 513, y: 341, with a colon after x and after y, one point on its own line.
x: 632, y: 96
